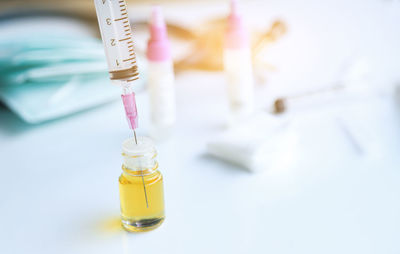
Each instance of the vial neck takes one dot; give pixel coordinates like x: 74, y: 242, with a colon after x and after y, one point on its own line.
x: 140, y: 157
x: 140, y: 164
x: 139, y: 172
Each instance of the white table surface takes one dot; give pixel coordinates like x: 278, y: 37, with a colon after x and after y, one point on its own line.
x: 59, y: 182
x: 59, y: 187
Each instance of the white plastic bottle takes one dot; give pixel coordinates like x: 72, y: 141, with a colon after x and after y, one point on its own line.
x: 238, y: 67
x: 160, y: 79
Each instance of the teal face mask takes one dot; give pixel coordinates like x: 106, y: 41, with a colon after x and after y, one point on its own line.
x: 44, y: 75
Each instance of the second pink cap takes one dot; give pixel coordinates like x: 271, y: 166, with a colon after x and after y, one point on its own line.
x: 158, y: 48
x: 236, y: 35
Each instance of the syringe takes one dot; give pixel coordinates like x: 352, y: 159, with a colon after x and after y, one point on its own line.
x: 118, y: 45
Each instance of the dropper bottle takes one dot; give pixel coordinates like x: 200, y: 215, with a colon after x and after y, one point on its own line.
x: 160, y: 78
x: 238, y: 66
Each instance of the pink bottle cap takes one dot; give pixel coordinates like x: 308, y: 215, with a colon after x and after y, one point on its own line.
x: 130, y: 109
x: 236, y: 35
x: 158, y: 48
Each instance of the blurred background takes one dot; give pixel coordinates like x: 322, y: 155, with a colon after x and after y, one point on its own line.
x: 314, y: 169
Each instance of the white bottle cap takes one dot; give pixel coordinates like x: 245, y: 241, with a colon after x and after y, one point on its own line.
x: 139, y: 156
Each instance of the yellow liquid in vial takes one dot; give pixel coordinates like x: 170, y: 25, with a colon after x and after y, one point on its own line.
x: 142, y: 207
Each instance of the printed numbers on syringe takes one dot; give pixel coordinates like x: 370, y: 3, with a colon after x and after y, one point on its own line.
x: 116, y: 34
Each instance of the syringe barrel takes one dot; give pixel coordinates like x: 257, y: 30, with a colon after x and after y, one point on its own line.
x: 117, y: 39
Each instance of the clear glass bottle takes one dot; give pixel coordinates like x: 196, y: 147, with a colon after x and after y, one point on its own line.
x: 141, y: 186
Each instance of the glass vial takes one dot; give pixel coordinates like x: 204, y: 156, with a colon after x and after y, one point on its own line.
x: 141, y: 186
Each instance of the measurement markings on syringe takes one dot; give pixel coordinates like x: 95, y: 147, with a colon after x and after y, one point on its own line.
x: 126, y: 60
x: 118, y: 38
x: 120, y: 19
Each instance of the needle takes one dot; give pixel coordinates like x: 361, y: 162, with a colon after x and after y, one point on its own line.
x: 134, y: 132
x: 145, y: 192
x: 144, y: 185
